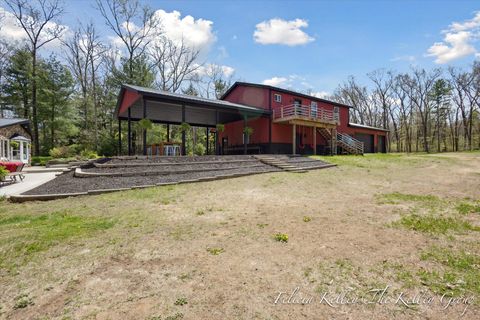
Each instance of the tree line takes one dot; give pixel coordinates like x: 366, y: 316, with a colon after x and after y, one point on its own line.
x: 70, y: 96
x: 425, y: 110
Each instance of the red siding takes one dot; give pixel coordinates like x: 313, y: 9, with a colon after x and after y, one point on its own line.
x: 251, y: 96
x: 282, y: 133
x: 234, y: 131
x: 129, y: 97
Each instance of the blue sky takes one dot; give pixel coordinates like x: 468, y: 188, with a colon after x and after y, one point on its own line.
x: 341, y: 38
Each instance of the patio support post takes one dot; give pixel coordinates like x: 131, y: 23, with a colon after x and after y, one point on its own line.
x: 129, y: 138
x: 183, y: 132
x: 245, y: 136
x: 168, y: 132
x: 314, y: 140
x: 294, y: 138
x: 119, y: 137
x: 217, y: 149
x: 207, y: 142
x: 144, y: 130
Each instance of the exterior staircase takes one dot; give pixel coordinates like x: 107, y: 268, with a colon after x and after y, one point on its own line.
x: 279, y: 163
x: 348, y: 144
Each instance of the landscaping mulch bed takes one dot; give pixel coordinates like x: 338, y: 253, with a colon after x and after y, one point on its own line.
x: 174, y: 168
x: 67, y: 183
x: 181, y: 159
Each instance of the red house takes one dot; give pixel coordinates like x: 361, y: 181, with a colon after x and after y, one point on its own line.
x: 282, y: 121
x: 297, y: 124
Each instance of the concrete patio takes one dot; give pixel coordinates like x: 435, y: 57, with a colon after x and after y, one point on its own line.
x: 33, y: 178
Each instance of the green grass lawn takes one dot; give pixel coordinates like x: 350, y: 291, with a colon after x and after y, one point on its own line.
x: 177, y: 252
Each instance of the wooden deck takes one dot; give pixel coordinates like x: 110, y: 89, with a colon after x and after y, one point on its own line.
x: 306, y: 116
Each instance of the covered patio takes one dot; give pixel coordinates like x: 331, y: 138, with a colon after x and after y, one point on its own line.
x: 137, y: 103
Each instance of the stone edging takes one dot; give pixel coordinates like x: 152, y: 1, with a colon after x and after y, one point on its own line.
x: 159, y: 164
x: 46, y: 197
x: 79, y: 173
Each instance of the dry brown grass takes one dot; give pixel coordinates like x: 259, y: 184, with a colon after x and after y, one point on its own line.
x: 208, y: 251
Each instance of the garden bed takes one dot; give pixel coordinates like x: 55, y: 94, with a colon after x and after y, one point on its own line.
x: 67, y: 183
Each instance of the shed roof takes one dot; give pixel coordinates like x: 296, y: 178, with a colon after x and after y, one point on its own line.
x: 11, y: 122
x: 356, y: 125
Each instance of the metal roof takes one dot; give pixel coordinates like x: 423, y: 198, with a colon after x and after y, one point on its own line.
x: 366, y: 127
x: 11, y: 122
x: 193, y: 99
x: 295, y: 93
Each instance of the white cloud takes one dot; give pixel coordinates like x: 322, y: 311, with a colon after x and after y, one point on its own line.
x: 211, y: 68
x: 457, y: 42
x: 320, y: 94
x: 196, y: 33
x: 278, y: 31
x: 275, y: 81
x: 295, y: 83
x: 407, y: 58
x: 13, y: 33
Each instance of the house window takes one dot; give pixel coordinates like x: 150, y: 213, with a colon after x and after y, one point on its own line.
x: 4, y: 149
x: 314, y: 109
x: 277, y: 97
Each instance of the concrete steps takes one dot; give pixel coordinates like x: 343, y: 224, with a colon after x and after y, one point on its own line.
x: 279, y: 163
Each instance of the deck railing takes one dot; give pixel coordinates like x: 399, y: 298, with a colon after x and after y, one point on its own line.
x: 354, y: 144
x: 296, y: 110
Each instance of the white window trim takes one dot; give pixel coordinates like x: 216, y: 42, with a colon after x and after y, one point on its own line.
x: 277, y: 97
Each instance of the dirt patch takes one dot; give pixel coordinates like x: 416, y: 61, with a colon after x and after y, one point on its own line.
x: 156, y: 261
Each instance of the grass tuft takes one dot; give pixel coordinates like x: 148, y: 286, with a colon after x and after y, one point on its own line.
x: 435, y: 225
x: 307, y: 219
x: 281, y: 237
x: 180, y: 302
x: 466, y: 208
x: 215, y: 251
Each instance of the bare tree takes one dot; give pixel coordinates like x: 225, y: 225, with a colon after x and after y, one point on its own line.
x: 418, y: 86
x: 84, y: 52
x: 175, y: 63
x: 39, y: 20
x: 383, y: 81
x: 214, y: 81
x: 135, y: 25
x: 462, y: 82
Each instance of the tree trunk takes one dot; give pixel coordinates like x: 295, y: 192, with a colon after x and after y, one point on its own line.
x: 36, y: 140
x: 95, y: 116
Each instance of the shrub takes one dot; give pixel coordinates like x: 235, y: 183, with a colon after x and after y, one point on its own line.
x: 40, y: 160
x: 307, y: 219
x: 199, y: 149
x: 88, y: 154
x: 60, y: 152
x: 3, y: 173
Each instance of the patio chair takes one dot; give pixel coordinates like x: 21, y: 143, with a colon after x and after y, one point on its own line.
x: 18, y: 173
